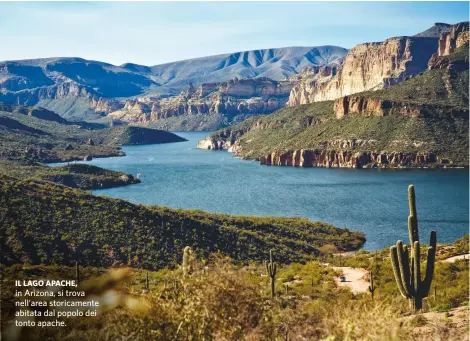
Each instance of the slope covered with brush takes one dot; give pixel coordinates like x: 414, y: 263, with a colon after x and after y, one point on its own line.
x: 42, y: 135
x: 41, y: 222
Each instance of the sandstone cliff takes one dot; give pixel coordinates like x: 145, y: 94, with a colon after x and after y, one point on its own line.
x: 234, y: 100
x: 449, y: 42
x: 349, y: 159
x: 62, y: 91
x: 357, y: 105
x: 456, y: 37
x: 370, y: 66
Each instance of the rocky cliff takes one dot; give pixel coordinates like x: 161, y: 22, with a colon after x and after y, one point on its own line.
x: 349, y: 159
x: 357, y: 105
x: 456, y: 37
x: 370, y: 66
x: 420, y: 122
x: 230, y: 101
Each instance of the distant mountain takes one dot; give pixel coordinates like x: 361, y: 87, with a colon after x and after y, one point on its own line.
x: 80, y: 89
x: 271, y: 63
x: 435, y: 31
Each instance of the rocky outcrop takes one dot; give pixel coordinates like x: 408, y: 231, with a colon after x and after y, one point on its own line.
x: 349, y: 159
x: 226, y: 139
x: 364, y: 106
x: 456, y: 37
x: 370, y: 66
x: 357, y: 105
x: 230, y: 99
x: 309, y: 79
x: 68, y: 89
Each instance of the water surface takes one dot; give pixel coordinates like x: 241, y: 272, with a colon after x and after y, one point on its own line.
x: 178, y: 175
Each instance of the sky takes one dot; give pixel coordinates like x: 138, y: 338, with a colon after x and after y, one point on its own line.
x: 152, y: 33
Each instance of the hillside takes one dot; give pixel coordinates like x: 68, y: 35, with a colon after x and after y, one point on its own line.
x: 221, y: 299
x: 78, y: 175
x: 80, y: 89
x: 41, y: 135
x: 103, y: 231
x: 420, y: 122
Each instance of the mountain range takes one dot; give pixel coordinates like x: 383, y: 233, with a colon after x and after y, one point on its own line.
x: 216, y: 91
x: 80, y: 89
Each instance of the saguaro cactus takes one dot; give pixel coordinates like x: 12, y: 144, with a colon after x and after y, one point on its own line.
x: 186, y: 260
x: 271, y: 270
x: 406, y: 267
x: 372, y: 285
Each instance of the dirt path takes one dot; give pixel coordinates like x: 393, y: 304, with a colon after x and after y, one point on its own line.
x: 454, y: 258
x: 354, y: 279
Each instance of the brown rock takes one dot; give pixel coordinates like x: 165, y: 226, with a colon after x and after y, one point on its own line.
x: 369, y: 66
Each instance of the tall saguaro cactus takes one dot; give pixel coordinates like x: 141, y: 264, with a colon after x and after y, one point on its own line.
x: 406, y: 262
x: 271, y: 269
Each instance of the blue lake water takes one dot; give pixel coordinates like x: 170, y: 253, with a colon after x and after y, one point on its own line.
x: 178, y: 175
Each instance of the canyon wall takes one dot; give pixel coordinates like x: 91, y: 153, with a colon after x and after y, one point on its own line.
x: 456, y: 37
x: 370, y: 66
x: 233, y: 98
x: 67, y: 89
x: 348, y: 159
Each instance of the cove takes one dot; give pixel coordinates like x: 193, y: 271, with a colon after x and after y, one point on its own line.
x: 374, y: 201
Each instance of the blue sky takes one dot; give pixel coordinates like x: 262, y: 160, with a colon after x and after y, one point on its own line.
x: 154, y: 33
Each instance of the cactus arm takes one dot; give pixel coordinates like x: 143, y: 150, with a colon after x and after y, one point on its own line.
x: 404, y: 263
x: 431, y: 261
x: 396, y: 271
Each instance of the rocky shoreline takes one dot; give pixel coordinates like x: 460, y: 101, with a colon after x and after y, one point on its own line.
x: 336, y: 158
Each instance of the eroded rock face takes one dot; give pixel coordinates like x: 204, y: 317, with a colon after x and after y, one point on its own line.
x: 348, y: 159
x: 60, y: 91
x: 235, y: 97
x: 458, y: 36
x: 363, y: 106
x: 370, y: 66
x: 309, y: 79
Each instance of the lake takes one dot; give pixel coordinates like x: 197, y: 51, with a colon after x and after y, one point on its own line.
x: 179, y: 175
